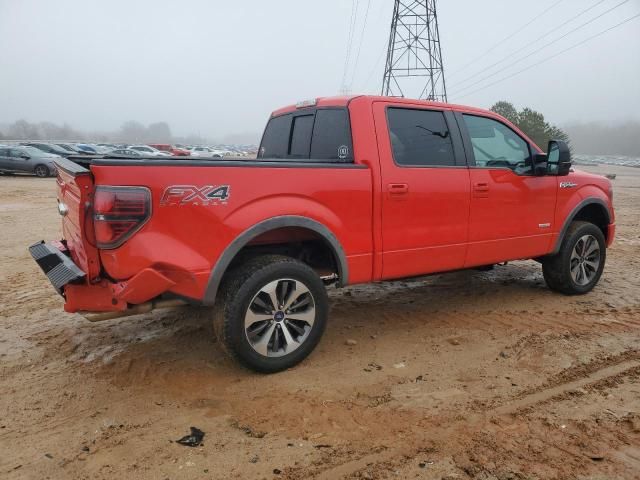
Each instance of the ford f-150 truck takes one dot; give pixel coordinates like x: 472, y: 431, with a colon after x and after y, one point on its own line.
x: 344, y: 190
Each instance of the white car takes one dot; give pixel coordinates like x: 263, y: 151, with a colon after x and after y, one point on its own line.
x: 204, y: 152
x: 148, y: 151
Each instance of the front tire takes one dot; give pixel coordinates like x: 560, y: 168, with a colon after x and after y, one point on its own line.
x: 578, y: 266
x: 273, y: 313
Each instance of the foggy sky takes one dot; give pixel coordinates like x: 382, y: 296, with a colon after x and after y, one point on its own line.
x: 214, y: 67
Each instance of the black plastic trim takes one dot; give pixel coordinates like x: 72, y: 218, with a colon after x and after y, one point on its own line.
x: 244, y: 238
x: 271, y: 163
x: 572, y: 215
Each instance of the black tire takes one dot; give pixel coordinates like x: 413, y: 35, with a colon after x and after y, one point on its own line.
x: 556, y: 269
x: 238, y: 294
x: 41, y: 171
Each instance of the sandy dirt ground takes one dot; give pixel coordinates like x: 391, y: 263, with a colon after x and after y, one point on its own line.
x: 483, y: 375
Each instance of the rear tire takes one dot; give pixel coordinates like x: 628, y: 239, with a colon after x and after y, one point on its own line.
x: 41, y: 171
x: 273, y: 311
x: 578, y: 266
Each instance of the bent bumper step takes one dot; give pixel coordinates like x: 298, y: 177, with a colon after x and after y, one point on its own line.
x: 58, y: 267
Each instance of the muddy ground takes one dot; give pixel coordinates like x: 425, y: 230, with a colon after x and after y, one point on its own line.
x: 484, y: 375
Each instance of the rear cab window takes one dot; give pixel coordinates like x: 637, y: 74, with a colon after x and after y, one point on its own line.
x: 313, y: 135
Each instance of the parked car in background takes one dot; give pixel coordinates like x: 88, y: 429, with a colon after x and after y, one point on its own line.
x: 148, y: 151
x: 69, y: 148
x: 21, y: 159
x: 204, y: 152
x: 49, y: 148
x: 102, y: 148
x: 172, y: 149
x: 84, y: 148
x: 128, y: 152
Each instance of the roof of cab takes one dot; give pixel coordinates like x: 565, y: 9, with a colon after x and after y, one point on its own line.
x: 343, y: 101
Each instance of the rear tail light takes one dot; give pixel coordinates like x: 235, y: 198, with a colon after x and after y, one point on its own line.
x: 118, y: 213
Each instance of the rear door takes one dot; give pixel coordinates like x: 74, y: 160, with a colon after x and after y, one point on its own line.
x: 425, y: 190
x: 512, y: 210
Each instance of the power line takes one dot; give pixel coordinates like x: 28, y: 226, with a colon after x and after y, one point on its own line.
x: 382, y: 51
x: 364, y: 26
x: 529, y: 44
x: 375, y: 67
x: 464, y: 67
x: 553, y: 56
x: 543, y: 47
x: 352, y: 24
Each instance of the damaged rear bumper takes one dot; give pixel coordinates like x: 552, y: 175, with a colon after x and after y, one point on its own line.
x: 100, y: 295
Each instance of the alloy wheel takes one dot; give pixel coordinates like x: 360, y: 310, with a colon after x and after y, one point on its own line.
x: 585, y: 260
x: 280, y: 317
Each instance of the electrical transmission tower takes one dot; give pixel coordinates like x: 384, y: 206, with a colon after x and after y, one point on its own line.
x: 414, y: 58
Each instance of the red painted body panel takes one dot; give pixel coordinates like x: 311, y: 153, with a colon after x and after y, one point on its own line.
x: 390, y: 221
x: 183, y: 242
x: 511, y: 216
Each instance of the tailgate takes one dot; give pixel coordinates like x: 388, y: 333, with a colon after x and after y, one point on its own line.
x: 75, y: 194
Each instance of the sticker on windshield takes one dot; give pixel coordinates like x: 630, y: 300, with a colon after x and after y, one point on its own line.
x: 343, y: 152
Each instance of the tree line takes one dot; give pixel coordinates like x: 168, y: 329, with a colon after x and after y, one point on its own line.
x: 129, y: 132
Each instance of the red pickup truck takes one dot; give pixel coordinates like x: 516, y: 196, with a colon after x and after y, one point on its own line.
x: 345, y: 190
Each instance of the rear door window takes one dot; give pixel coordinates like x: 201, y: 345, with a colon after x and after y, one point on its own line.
x: 420, y: 138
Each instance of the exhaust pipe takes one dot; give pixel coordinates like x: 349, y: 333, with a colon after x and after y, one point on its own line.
x: 134, y: 310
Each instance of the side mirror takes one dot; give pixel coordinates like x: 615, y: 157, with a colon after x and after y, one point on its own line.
x: 540, y: 164
x: 558, y: 158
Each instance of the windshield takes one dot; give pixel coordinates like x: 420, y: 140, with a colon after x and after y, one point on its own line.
x: 36, y: 152
x: 66, y: 147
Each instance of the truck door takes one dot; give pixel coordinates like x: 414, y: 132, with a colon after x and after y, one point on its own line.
x: 512, y: 210
x: 425, y: 189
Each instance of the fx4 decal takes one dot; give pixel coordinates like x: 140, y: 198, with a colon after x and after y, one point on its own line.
x: 178, y: 195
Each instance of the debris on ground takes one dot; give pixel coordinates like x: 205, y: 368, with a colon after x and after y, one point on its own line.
x: 194, y: 439
x: 247, y: 429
